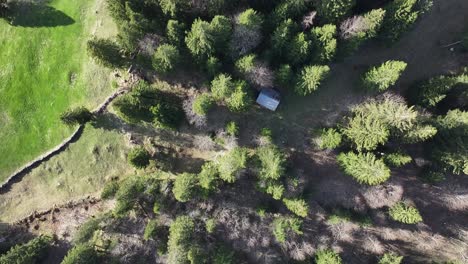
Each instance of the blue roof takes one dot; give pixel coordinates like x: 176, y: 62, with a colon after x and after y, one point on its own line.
x: 269, y: 99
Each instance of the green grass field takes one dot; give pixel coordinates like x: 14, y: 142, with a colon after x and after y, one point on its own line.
x: 44, y: 69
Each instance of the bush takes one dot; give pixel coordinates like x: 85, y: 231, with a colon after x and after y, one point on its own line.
x: 139, y: 157
x: 310, y: 79
x: 109, y: 190
x: 184, y: 187
x: 275, y: 189
x: 325, y: 43
x: 272, y: 162
x: 327, y: 256
x: 231, y: 164
x: 150, y: 230
x: 329, y: 138
x: 284, y: 225
x: 210, y: 225
x: 202, y: 104
x: 365, y: 168
x: 334, y: 11
x: 105, y: 52
x: 180, y: 239
x: 31, y: 252
x: 175, y: 32
x: 403, y: 213
x: 166, y: 58
x: 382, y: 77
x: 81, y: 254
x: 284, y: 76
x: 76, y: 116
x: 400, y: 15
x: 297, y: 206
x: 390, y: 258
x: 397, y: 159
x: 232, y: 129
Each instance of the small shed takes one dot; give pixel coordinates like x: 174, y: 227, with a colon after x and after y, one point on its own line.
x: 269, y: 98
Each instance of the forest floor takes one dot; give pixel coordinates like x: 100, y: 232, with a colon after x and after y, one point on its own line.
x: 444, y: 206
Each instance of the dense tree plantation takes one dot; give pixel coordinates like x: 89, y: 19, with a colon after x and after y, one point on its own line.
x: 364, y: 161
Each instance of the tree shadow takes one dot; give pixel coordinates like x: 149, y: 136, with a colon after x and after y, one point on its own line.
x: 25, y: 14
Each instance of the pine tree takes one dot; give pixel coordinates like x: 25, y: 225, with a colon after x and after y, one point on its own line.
x: 300, y: 49
x: 222, y: 86
x: 365, y: 168
x: 81, y: 253
x: 231, y: 164
x: 221, y: 30
x: 31, y: 252
x: 139, y: 157
x: 400, y: 15
x: 202, y: 104
x: 297, y: 206
x: 384, y: 76
x: 76, y: 116
x: 404, y: 213
x: 333, y: 11
x: 180, y: 238
x: 272, y: 162
x: 200, y: 39
x: 310, y: 79
x: 325, y: 43
x: 175, y: 32
x: 166, y: 58
x: 327, y: 256
x: 105, y: 52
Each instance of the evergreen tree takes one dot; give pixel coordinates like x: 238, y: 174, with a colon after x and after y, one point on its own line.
x: 31, y: 252
x: 403, y: 213
x: 222, y: 86
x: 231, y: 164
x: 333, y: 11
x: 327, y: 256
x: 400, y: 15
x: 272, y: 162
x: 281, y: 38
x: 166, y: 58
x: 366, y: 132
x: 76, y: 116
x: 117, y: 10
x: 221, y: 30
x: 240, y: 99
x: 329, y: 139
x: 310, y: 79
x: 128, y: 195
x: 175, y: 32
x: 289, y: 9
x: 81, y: 254
x: 139, y: 157
x: 390, y: 258
x: 365, y: 168
x: 200, y: 39
x: 297, y: 206
x: 382, y: 77
x: 202, y: 104
x: 184, y: 187
x: 173, y: 7
x: 325, y: 43
x: 299, y: 50
x: 180, y: 239
x: 284, y: 76
x: 106, y: 52
x: 208, y: 176
x: 247, y: 33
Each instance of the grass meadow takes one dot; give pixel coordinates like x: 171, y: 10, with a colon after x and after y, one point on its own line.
x: 44, y: 69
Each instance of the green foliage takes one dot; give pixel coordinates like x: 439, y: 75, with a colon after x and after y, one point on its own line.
x: 86, y: 231
x: 151, y: 229
x: 297, y: 206
x: 275, y: 189
x: 166, y: 58
x: 419, y: 133
x: 180, y: 236
x: 81, y: 254
x: 397, y: 159
x: 196, y: 255
x: 129, y: 35
x: 288, y: 9
x: 138, y: 157
x: 434, y: 90
x: 232, y: 129
x: 365, y: 168
x: 390, y: 258
x: 284, y: 76
x: 251, y: 19
x: 403, y: 213
x: 231, y: 164
x: 222, y: 86
x: 240, y: 98
x: 109, y: 190
x: 29, y: 253
x: 400, y: 15
x: 210, y: 225
x: 281, y: 38
x: 327, y: 256
x: 246, y: 63
x: 175, y: 32
x: 223, y: 255
x: 329, y: 138
x: 310, y: 79
x: 284, y: 225
x: 208, y: 176
x: 213, y: 66
x: 184, y: 187
x: 342, y: 215
x: 105, y: 52
x: 221, y: 28
x: 272, y: 162
x: 128, y: 195
x: 382, y: 77
x: 333, y: 11
x: 325, y: 43
x: 76, y: 116
x: 366, y: 132
x: 172, y: 7
x: 200, y: 39
x: 117, y: 10
x: 202, y: 104
x: 299, y: 50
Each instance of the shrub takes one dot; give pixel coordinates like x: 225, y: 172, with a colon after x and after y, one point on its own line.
x: 284, y: 76
x: 30, y: 252
x: 310, y: 79
x: 327, y: 256
x: 150, y: 230
x: 166, y: 58
x: 109, y: 190
x: 175, y: 32
x: 390, y: 258
x: 240, y: 98
x: 86, y: 231
x: 210, y: 225
x: 232, y: 129
x: 180, y: 236
x: 397, y: 159
x: 333, y: 11
x: 202, y: 104
x: 81, y: 254
x: 365, y: 168
x: 400, y: 15
x: 329, y: 138
x: 274, y: 189
x: 382, y: 77
x: 105, y: 52
x: 200, y: 39
x: 403, y: 213
x: 297, y: 206
x: 139, y: 157
x: 208, y: 176
x: 284, y: 225
x: 222, y: 86
x: 76, y: 116
x: 184, y: 187
x: 231, y: 164
x: 272, y: 162
x: 325, y: 43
